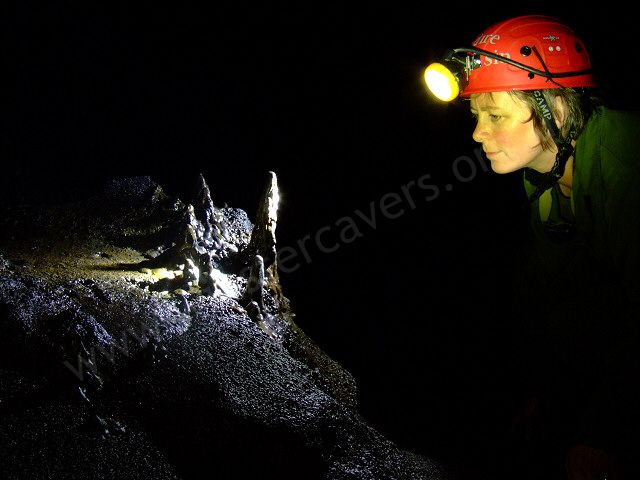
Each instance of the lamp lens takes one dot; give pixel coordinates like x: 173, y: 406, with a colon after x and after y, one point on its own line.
x: 442, y: 83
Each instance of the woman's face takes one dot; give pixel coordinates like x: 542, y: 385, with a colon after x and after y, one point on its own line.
x: 506, y: 132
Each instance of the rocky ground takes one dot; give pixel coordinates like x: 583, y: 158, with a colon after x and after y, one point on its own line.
x: 142, y: 336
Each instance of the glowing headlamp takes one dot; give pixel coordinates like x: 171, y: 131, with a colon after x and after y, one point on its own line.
x: 442, y: 82
x: 448, y: 78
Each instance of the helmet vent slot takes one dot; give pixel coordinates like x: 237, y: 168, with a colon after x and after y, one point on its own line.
x: 525, y: 51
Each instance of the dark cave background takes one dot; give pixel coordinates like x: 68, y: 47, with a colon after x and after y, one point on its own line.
x: 330, y: 97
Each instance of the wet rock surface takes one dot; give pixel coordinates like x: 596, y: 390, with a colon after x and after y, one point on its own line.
x: 148, y: 338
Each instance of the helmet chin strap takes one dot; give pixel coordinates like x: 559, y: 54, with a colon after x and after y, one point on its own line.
x: 544, y: 181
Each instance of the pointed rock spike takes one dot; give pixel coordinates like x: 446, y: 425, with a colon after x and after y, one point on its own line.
x: 263, y: 235
x: 253, y: 292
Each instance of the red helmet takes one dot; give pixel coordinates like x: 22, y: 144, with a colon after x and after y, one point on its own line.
x: 539, y: 42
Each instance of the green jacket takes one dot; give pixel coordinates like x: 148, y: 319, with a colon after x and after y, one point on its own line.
x: 583, y: 277
x: 605, y: 199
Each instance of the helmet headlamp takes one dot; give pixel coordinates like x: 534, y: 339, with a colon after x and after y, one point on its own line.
x: 448, y: 78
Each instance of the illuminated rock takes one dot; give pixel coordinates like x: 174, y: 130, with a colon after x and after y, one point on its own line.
x: 144, y: 337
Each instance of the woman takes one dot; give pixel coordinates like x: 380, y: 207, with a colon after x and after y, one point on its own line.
x: 531, y: 89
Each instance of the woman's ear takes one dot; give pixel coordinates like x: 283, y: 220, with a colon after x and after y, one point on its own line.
x: 561, y: 111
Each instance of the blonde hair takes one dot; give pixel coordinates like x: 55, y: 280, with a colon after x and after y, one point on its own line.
x: 580, y: 104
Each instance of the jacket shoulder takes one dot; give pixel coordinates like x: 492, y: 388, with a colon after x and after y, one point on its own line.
x: 617, y: 132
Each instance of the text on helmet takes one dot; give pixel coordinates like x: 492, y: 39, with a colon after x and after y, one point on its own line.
x: 486, y: 38
x: 493, y: 61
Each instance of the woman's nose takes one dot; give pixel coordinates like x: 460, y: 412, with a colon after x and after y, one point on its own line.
x: 480, y: 133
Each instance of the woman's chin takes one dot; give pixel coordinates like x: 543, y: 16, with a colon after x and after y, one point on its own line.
x: 501, y: 168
